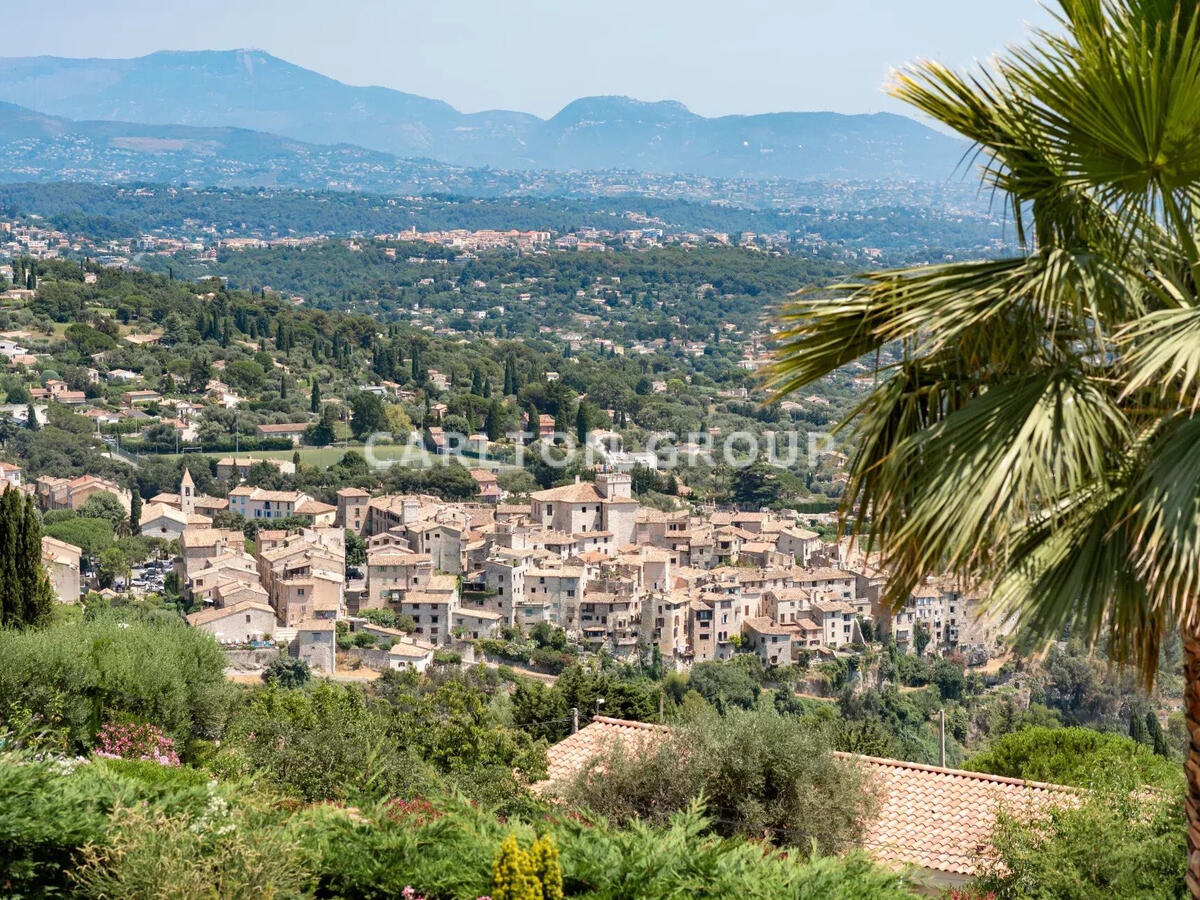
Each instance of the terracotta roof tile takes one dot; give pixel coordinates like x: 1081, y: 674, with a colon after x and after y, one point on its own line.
x: 931, y: 817
x: 942, y: 819
x: 570, y: 755
x: 584, y: 492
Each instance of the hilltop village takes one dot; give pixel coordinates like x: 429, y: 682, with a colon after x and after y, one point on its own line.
x: 586, y: 559
x: 123, y: 384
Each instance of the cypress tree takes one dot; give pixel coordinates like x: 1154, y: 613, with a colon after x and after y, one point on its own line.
x: 1157, y: 738
x: 315, y: 401
x: 40, y: 591
x: 493, y: 423
x: 511, y: 385
x: 1137, y: 728
x: 581, y: 424
x: 12, y: 517
x: 32, y: 422
x: 135, y: 511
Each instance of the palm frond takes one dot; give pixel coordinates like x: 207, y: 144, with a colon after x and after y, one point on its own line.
x: 1162, y: 349
x: 1034, y: 421
x: 1164, y: 518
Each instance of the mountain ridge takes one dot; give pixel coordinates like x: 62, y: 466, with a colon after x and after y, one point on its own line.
x: 254, y: 90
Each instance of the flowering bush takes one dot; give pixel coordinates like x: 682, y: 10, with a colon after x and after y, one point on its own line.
x: 410, y: 893
x: 136, y: 741
x: 418, y: 811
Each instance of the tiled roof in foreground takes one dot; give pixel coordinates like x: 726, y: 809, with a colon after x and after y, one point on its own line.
x: 928, y: 816
x: 942, y: 819
x: 570, y: 755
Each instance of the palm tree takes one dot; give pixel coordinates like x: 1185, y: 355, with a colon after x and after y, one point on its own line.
x: 1033, y: 420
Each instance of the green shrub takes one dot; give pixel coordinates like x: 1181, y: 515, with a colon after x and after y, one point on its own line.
x: 446, y: 850
x: 226, y: 850
x: 1075, y: 756
x: 756, y: 774
x: 50, y: 808
x: 287, y: 672
x: 327, y: 743
x: 385, y: 618
x: 151, y: 837
x: 1116, y: 844
x: 64, y: 680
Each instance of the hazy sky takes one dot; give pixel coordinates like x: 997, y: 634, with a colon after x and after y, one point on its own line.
x: 717, y: 56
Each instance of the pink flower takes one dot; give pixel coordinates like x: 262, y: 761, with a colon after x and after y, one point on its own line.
x: 136, y: 741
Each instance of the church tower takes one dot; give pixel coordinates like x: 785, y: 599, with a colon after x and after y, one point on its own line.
x: 187, y: 494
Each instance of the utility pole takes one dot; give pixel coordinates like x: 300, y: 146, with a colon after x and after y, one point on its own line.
x: 942, y: 738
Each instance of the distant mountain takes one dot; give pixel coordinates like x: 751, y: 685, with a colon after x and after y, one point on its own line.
x: 250, y: 89
x: 39, y: 147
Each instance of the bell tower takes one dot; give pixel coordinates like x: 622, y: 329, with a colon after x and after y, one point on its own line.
x: 187, y: 494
